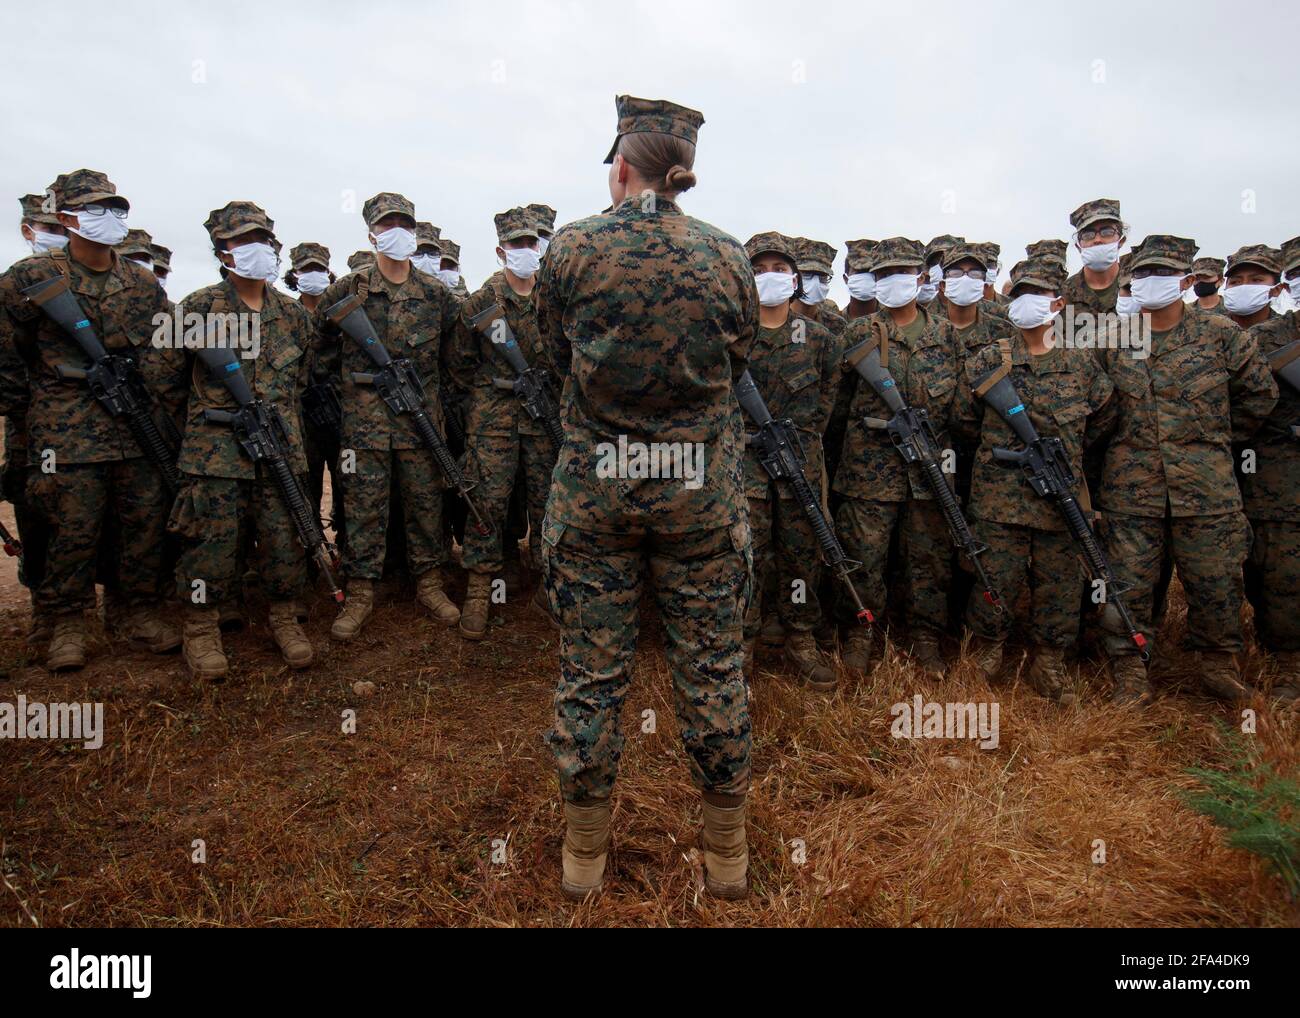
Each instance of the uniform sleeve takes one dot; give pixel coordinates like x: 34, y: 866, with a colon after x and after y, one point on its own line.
x: 14, y: 338
x: 967, y: 415
x: 464, y: 353
x: 747, y: 318
x: 1103, y: 408
x: 832, y: 355
x: 326, y: 338
x: 548, y: 303
x: 1251, y: 387
x: 171, y: 386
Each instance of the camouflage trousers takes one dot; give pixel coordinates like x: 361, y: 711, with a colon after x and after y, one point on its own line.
x: 212, y: 517
x: 1273, y: 584
x: 492, y: 464
x: 322, y: 450
x: 411, y: 474
x: 32, y: 531
x: 787, y: 566
x: 1037, y: 574
x: 1208, y: 553
x: 866, y: 530
x: 75, y: 503
x: 702, y: 583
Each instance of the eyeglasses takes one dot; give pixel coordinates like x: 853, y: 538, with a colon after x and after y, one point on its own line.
x: 1106, y: 233
x: 1155, y: 270
x: 954, y: 273
x: 98, y: 210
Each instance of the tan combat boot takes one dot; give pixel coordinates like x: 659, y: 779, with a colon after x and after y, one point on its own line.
x: 1220, y: 677
x: 145, y: 630
x: 586, y: 842
x: 1048, y: 676
x: 772, y: 634
x: 926, y: 653
x: 429, y: 592
x: 356, y: 609
x: 202, y: 643
x: 1131, y: 684
x: 726, y: 856
x: 294, y: 646
x: 67, y: 643
x: 474, y: 613
x: 987, y: 656
x: 802, y: 652
x: 858, y: 654
x: 1286, y: 687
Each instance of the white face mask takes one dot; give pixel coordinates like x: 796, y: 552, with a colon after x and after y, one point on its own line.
x: 396, y: 242
x: 313, y: 283
x: 427, y: 263
x: 774, y: 288
x: 449, y: 277
x: 1127, y: 305
x: 814, y: 290
x: 256, y: 261
x: 523, y: 262
x: 1100, y: 256
x: 930, y: 288
x: 1154, y: 292
x: 964, y: 291
x: 42, y: 242
x: 862, y: 285
x: 1293, y: 285
x: 542, y: 244
x: 897, y: 290
x: 105, y: 229
x: 1030, y: 310
x: 1246, y: 298
x: 144, y: 263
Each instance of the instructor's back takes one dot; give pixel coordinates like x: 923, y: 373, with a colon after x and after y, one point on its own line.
x: 648, y: 316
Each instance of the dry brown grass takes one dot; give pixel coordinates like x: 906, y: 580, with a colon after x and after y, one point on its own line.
x: 394, y: 825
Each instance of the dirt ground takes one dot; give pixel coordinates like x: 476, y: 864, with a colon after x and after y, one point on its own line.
x: 441, y: 808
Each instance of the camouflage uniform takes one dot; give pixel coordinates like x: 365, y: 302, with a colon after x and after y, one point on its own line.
x: 98, y: 468
x: 1031, y: 557
x: 360, y: 259
x: 503, y: 441
x: 451, y: 252
x: 1271, y: 494
x: 225, y: 491
x: 649, y: 347
x: 1167, y: 479
x: 882, y: 497
x: 162, y: 262
x: 138, y: 245
x: 816, y: 256
x: 1261, y: 256
x: 934, y: 255
x: 1209, y: 267
x: 414, y: 319
x: 796, y: 368
x: 1078, y: 294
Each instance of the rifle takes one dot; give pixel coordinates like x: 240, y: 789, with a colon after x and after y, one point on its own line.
x: 451, y: 413
x: 13, y: 547
x: 261, y: 431
x: 114, y: 379
x: 913, y: 437
x: 530, y: 385
x: 401, y: 388
x: 1285, y: 364
x: 1047, y: 469
x: 781, y: 455
x: 322, y: 408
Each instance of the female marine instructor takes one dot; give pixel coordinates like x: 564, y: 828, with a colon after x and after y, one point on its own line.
x: 648, y: 316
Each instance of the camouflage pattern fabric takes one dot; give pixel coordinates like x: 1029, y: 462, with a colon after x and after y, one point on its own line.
x: 784, y: 550
x: 1204, y: 386
x: 701, y: 581
x: 1036, y: 570
x: 213, y: 516
x: 380, y: 475
x: 1272, y: 579
x: 1208, y: 552
x: 496, y: 463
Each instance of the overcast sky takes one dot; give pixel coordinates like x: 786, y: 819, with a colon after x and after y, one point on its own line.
x: 831, y: 121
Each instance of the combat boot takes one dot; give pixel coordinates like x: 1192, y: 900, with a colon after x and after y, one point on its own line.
x: 1048, y: 676
x: 67, y: 643
x: 42, y: 627
x: 1131, y: 684
x: 294, y: 646
x: 232, y: 618
x: 858, y: 653
x: 202, y: 643
x: 926, y: 653
x: 802, y: 652
x: 726, y: 856
x: 772, y: 634
x: 1220, y: 677
x: 1286, y: 687
x: 429, y: 592
x: 356, y: 609
x: 987, y: 655
x: 144, y: 630
x: 474, y: 613
x: 586, y: 842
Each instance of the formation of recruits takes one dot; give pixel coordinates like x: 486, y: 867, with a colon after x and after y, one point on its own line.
x: 1186, y: 453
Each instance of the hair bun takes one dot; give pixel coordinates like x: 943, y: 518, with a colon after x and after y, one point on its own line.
x: 679, y: 178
